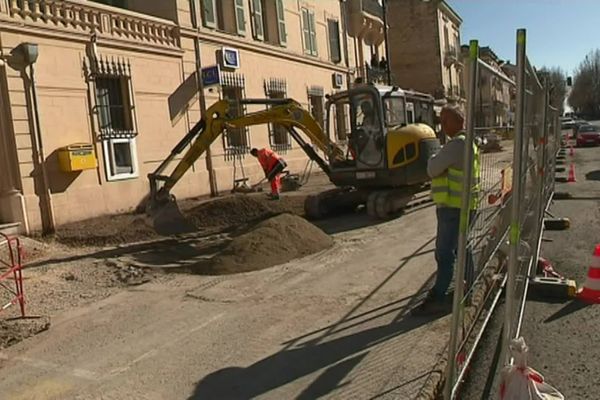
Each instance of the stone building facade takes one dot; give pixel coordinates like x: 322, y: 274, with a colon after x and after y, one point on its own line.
x: 119, y: 77
x: 425, y: 47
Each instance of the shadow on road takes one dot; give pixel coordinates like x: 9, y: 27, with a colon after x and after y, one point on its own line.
x: 333, y: 328
x: 570, y: 308
x: 321, y: 349
x: 289, y: 365
x: 593, y: 175
x: 174, y: 252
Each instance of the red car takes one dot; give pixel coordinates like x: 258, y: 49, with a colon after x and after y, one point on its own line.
x: 588, y: 135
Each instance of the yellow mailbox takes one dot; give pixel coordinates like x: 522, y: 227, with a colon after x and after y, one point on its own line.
x: 77, y: 157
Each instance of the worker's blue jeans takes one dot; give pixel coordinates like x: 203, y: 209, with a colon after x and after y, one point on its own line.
x: 448, y: 220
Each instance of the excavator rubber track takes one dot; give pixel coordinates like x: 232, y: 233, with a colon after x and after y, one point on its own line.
x: 380, y: 204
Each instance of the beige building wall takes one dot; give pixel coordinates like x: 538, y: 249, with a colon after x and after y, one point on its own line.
x: 157, y: 42
x: 495, y: 93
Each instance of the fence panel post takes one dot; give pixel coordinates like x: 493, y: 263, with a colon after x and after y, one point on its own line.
x: 515, y: 224
x: 467, y: 198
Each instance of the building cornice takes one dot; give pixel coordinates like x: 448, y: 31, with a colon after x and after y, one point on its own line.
x: 449, y: 11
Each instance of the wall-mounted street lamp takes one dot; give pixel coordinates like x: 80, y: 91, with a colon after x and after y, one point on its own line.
x: 21, y: 58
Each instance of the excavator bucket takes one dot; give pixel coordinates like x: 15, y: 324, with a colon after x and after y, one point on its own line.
x: 167, y: 219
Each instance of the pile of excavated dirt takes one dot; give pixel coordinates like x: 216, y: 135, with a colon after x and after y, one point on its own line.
x: 273, y: 241
x: 106, y: 231
x: 14, y: 331
x: 214, y: 215
x: 237, y: 210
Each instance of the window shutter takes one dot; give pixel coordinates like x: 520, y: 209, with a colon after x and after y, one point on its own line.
x: 257, y: 20
x: 208, y: 13
x: 281, y: 23
x: 306, y: 31
x: 313, y: 34
x: 334, y: 40
x: 240, y: 18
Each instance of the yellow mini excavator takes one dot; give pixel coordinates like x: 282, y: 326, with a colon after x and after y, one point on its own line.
x: 386, y: 136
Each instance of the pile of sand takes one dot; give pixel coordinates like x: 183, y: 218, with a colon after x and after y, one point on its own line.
x: 237, y: 210
x: 106, y: 231
x: 274, y: 241
x: 216, y: 215
x: 15, y: 330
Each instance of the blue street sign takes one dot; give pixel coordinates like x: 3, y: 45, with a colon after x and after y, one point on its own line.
x: 211, y: 76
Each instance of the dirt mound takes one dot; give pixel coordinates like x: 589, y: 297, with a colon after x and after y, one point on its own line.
x: 34, y: 250
x: 106, y: 231
x: 241, y: 209
x: 274, y: 241
x: 14, y: 331
x: 213, y: 216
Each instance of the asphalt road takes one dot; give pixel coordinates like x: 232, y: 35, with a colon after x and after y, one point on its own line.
x: 331, y: 325
x: 562, y: 336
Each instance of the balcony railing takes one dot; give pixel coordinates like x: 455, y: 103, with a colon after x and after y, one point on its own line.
x: 451, y: 56
x: 373, y: 74
x: 453, y: 92
x: 372, y: 7
x: 106, y: 21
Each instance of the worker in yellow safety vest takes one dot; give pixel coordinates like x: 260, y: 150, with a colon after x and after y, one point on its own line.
x: 446, y: 170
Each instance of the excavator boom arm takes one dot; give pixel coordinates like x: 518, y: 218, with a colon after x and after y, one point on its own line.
x: 285, y: 112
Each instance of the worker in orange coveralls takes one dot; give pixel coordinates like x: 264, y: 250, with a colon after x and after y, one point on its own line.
x: 273, y: 165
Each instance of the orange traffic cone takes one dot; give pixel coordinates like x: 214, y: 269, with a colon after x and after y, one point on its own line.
x: 572, y: 173
x: 591, y: 288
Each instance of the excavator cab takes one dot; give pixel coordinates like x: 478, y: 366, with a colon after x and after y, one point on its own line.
x: 387, y: 134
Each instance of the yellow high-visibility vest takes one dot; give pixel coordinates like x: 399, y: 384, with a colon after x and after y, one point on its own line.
x: 446, y: 190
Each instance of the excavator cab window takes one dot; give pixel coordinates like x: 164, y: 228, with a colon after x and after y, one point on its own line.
x: 367, y: 140
x: 394, y: 112
x: 410, y: 113
x: 423, y: 112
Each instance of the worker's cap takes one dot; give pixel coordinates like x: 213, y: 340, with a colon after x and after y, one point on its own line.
x: 454, y: 111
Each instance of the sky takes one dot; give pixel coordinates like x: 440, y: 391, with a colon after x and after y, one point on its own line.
x: 559, y: 32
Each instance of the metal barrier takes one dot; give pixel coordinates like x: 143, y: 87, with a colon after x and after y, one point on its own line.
x: 503, y: 235
x: 11, y: 270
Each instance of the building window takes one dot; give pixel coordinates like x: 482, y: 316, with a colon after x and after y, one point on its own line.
x: 315, y: 102
x: 115, y: 111
x: 225, y: 15
x: 335, y: 52
x: 268, y: 21
x: 342, y: 121
x: 309, y: 32
x: 446, y: 39
x: 236, y: 141
x: 279, y: 137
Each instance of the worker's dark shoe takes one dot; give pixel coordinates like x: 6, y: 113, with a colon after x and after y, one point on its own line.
x: 431, y: 306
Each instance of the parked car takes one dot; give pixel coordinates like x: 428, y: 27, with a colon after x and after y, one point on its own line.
x: 567, y: 124
x: 588, y: 135
x: 577, y: 124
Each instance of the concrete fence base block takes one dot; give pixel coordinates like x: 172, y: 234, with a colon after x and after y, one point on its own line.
x: 562, y: 196
x: 557, y: 224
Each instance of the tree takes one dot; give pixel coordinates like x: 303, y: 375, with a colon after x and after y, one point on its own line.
x: 558, y: 85
x: 585, y: 95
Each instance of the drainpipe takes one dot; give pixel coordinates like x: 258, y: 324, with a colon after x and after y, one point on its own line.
x: 387, y: 43
x: 212, y: 179
x: 48, y: 222
x: 344, y: 15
